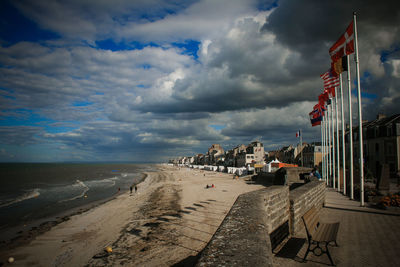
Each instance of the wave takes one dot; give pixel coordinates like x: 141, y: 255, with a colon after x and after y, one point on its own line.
x: 78, y: 183
x: 28, y: 195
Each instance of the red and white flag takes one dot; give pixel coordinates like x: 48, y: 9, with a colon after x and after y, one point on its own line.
x: 344, y: 45
x: 330, y: 80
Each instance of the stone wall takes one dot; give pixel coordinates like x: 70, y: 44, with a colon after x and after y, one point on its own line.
x: 243, y: 237
x: 301, y: 200
x: 258, y: 219
x: 276, y: 202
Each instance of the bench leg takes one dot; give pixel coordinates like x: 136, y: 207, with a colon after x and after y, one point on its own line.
x: 308, y: 250
x: 329, y: 255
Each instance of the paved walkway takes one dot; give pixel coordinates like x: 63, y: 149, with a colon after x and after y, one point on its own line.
x: 367, y: 237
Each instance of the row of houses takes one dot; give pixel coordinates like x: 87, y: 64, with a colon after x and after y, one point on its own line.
x: 381, y: 146
x: 239, y: 156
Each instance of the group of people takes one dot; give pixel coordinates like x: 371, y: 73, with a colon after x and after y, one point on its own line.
x: 210, y: 186
x: 131, y: 188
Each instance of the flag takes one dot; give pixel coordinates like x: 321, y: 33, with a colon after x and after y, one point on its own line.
x: 315, y: 117
x: 330, y: 79
x: 344, y: 45
x: 323, y: 98
x: 298, y: 134
x: 340, y: 65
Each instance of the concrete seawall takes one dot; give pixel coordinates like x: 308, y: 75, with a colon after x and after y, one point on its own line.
x: 257, y: 221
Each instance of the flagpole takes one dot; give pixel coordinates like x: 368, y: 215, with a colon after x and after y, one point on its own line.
x: 326, y: 147
x: 329, y: 142
x: 301, y: 148
x: 360, y: 137
x: 350, y: 131
x: 337, y: 143
x: 343, y: 134
x: 322, y: 147
x: 325, y: 155
x: 333, y: 144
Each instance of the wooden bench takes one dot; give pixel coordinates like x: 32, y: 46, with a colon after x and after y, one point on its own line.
x: 319, y: 234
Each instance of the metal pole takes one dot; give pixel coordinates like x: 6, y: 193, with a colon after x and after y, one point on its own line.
x: 329, y: 144
x: 322, y: 147
x: 333, y: 144
x: 301, y: 148
x: 343, y: 136
x: 337, y: 142
x: 326, y: 146
x: 325, y: 159
x: 360, y: 135
x: 350, y: 131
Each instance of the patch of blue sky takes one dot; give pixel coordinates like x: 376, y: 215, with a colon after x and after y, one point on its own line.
x: 189, y: 47
x: 26, y: 117
x: 386, y: 54
x: 110, y: 44
x: 265, y: 6
x: 60, y: 129
x: 23, y: 117
x: 217, y: 127
x: 363, y: 94
x: 82, y: 103
x: 143, y: 86
x: 15, y: 27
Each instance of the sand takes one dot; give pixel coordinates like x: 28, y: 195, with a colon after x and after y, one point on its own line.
x: 168, y: 221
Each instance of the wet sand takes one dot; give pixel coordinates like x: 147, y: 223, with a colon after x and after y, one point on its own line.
x: 168, y: 221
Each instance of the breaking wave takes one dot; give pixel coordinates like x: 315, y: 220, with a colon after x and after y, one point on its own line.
x: 80, y: 184
x: 28, y: 195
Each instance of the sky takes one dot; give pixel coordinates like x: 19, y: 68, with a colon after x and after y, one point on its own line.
x: 150, y: 80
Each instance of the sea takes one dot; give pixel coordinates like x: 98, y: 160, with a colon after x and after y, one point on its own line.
x: 33, y: 192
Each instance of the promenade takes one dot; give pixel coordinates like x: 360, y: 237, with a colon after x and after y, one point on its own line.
x: 367, y: 236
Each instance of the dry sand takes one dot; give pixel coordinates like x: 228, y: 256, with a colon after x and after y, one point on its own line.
x: 168, y: 221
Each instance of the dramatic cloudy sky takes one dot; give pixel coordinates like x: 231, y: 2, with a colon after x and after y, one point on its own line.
x: 148, y: 80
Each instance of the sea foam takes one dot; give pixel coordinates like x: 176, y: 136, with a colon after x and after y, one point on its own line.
x: 27, y: 195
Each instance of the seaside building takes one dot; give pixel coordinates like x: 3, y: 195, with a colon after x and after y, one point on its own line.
x: 243, y: 159
x: 257, y: 149
x: 312, y: 154
x: 381, y: 144
x: 199, y: 159
x: 215, y: 153
x: 231, y: 155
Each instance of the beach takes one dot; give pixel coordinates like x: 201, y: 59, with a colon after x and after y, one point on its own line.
x: 168, y: 221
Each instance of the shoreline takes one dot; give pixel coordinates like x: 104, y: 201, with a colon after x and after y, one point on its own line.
x: 171, y: 219
x: 22, y: 234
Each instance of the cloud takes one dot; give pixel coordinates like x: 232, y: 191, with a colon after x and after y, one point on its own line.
x: 20, y: 135
x: 255, y: 73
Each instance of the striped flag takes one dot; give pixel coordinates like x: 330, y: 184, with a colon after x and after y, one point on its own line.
x: 316, y: 117
x: 298, y: 133
x: 330, y: 79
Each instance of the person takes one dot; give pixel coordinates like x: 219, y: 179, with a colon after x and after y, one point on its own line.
x: 316, y: 174
x: 131, y: 189
x: 135, y: 188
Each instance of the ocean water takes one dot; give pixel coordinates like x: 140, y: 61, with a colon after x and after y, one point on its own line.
x: 33, y: 191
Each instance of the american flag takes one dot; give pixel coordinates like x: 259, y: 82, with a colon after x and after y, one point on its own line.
x: 330, y: 80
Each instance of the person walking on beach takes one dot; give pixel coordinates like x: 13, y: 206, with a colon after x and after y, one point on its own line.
x: 131, y: 189
x: 135, y: 188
